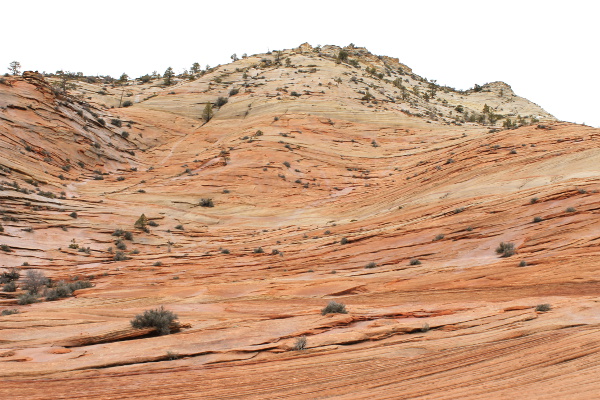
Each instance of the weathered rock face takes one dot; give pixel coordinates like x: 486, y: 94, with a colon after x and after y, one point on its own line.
x: 314, y: 196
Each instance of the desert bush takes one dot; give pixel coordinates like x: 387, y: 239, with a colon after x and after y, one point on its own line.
x: 287, y: 164
x: 506, y: 249
x: 124, y: 135
x: 27, y: 298
x: 538, y: 219
x: 157, y: 264
x: 334, y: 308
x: 120, y: 256
x: 259, y: 250
x: 158, y: 318
x: 116, y: 122
x: 180, y: 227
x: 127, y: 103
x: 439, y: 237
x: 206, y: 203
x: 9, y: 311
x: 543, y: 307
x: 34, y: 281
x: 370, y: 265
x: 10, y: 276
x: 73, y: 215
x: 344, y: 240
x: 119, y: 244
x: 225, y: 251
x: 300, y: 343
x: 523, y: 263
x: 118, y: 232
x: 570, y: 209
x: 533, y: 200
x: 5, y: 247
x: 233, y: 92
x: 128, y: 235
x: 414, y: 261
x: 10, y: 287
x: 221, y: 101
x: 152, y: 223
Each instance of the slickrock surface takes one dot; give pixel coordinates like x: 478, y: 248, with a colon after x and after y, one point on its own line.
x: 341, y: 194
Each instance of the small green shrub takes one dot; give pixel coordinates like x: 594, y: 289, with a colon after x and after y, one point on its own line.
x: 523, y: 263
x: 158, y: 318
x: 438, y: 237
x: 533, y: 200
x: 414, y: 261
x: 334, y: 308
x: 344, y: 240
x: 300, y: 343
x: 221, y: 101
x: 180, y: 227
x: 27, y: 298
x: 127, y: 103
x: 10, y: 276
x: 120, y: 256
x: 570, y: 209
x: 206, y: 203
x: 9, y: 311
x: 370, y: 265
x: 543, y: 307
x: 10, y: 287
x: 259, y: 250
x: 506, y: 249
x: 537, y: 219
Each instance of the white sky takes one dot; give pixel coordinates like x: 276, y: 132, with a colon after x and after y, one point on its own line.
x: 546, y: 50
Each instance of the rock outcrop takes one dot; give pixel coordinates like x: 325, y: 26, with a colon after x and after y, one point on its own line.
x: 299, y: 191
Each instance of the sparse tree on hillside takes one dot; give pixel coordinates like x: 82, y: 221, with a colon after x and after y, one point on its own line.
x: 124, y: 77
x: 195, y: 68
x: 342, y: 56
x: 141, y: 222
x: 207, y: 114
x: 15, y: 68
x: 234, y: 57
x: 169, y: 74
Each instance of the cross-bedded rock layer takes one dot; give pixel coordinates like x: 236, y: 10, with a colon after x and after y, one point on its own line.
x: 341, y: 195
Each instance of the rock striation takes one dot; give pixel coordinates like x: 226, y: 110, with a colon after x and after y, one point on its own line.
x: 318, y: 179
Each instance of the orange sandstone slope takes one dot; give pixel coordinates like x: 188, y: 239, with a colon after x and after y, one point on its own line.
x: 390, y: 203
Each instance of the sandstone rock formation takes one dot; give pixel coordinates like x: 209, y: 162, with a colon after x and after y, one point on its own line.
x: 392, y: 203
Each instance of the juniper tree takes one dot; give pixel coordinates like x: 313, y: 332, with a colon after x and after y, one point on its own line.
x: 207, y: 114
x: 15, y: 67
x: 168, y: 76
